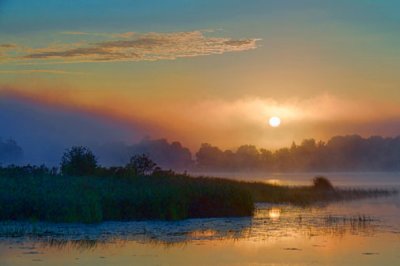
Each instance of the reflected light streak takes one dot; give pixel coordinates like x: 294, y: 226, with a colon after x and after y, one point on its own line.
x: 274, y: 213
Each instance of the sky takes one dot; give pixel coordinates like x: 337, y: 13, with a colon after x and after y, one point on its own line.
x: 198, y: 71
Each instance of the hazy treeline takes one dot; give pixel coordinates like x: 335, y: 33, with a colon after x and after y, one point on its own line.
x: 167, y: 155
x: 340, y: 153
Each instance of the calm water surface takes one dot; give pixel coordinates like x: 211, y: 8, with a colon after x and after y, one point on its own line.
x: 364, y: 232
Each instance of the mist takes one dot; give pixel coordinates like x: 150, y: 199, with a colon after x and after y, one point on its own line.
x: 44, y: 131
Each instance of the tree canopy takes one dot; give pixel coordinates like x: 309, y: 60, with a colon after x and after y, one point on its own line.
x: 78, y: 161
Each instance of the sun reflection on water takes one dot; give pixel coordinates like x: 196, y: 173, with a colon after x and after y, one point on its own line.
x: 202, y: 233
x: 275, y: 182
x: 274, y: 213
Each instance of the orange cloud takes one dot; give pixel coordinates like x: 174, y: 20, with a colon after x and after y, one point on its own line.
x: 41, y: 71
x: 136, y: 47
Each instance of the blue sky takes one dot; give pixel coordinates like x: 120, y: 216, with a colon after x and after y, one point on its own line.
x: 21, y: 17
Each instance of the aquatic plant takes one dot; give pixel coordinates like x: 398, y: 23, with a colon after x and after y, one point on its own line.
x: 60, y: 198
x: 40, y: 194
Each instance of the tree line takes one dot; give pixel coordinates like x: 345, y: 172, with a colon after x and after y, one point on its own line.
x: 81, y: 161
x: 340, y: 153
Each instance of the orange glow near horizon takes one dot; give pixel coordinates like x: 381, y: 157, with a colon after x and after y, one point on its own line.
x: 221, y: 122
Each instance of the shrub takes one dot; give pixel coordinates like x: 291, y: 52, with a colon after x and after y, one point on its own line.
x: 322, y: 183
x: 78, y: 161
x: 142, y: 164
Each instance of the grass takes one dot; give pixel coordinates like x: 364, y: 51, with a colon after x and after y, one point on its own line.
x: 307, y: 195
x: 96, y: 199
x: 57, y: 198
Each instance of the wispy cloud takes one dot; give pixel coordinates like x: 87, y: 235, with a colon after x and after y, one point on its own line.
x: 74, y: 33
x: 7, y: 46
x: 130, y: 46
x: 128, y: 34
x: 41, y: 71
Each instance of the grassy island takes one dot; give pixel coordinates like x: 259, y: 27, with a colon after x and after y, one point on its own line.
x: 97, y: 194
x: 94, y: 199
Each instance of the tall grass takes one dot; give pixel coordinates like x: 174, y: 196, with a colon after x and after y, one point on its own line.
x: 307, y: 195
x: 95, y: 199
x: 88, y: 199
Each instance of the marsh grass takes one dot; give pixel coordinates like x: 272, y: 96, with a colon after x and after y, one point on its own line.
x: 308, y: 195
x: 95, y: 199
x: 89, y: 199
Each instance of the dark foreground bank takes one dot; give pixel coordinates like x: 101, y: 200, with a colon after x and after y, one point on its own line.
x: 90, y: 199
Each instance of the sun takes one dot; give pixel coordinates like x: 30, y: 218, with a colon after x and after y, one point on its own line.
x: 274, y: 121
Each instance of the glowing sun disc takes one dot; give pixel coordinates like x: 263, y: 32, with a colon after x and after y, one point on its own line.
x: 274, y: 121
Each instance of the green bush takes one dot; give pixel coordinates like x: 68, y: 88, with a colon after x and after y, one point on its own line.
x: 78, y: 161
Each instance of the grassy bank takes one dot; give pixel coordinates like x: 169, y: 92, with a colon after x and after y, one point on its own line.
x: 88, y: 199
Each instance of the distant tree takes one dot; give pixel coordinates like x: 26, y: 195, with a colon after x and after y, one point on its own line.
x: 322, y: 183
x: 266, y: 158
x: 164, y: 153
x: 210, y: 157
x: 142, y: 164
x: 78, y: 161
x: 340, y: 153
x: 248, y: 157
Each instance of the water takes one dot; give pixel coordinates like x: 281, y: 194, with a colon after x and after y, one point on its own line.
x: 364, y: 232
x: 339, y: 179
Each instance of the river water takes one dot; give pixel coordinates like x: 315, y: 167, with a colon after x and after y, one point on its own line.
x: 362, y: 232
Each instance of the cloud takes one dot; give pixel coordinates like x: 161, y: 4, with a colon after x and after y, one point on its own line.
x: 128, y: 34
x: 7, y: 45
x: 130, y: 46
x: 74, y: 33
x: 40, y: 71
x: 94, y: 53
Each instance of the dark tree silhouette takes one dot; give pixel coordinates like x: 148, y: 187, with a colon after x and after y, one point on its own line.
x: 141, y: 164
x: 322, y: 183
x: 78, y: 161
